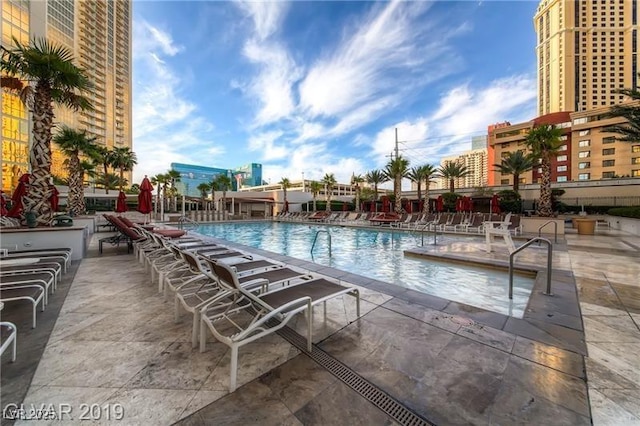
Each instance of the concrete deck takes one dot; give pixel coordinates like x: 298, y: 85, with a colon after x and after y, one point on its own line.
x: 573, y: 358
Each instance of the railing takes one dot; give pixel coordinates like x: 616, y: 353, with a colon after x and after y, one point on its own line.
x: 427, y: 227
x: 555, y: 230
x: 549, y: 261
x: 185, y: 220
x: 315, y: 239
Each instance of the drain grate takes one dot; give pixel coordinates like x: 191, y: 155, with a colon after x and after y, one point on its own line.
x: 385, y: 402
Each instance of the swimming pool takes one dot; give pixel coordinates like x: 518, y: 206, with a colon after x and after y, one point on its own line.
x: 379, y: 255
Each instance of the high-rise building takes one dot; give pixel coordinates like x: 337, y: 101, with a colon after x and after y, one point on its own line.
x: 476, y: 163
x: 191, y: 176
x: 98, y: 32
x: 585, y: 50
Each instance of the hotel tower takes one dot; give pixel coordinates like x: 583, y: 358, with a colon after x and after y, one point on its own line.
x: 99, y: 34
x: 585, y: 50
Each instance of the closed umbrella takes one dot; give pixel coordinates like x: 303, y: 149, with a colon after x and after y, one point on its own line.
x: 372, y: 206
x: 470, y: 204
x: 121, y: 203
x: 440, y: 203
x: 409, y: 207
x: 459, y: 204
x: 495, y: 204
x: 54, y: 199
x: 16, y: 198
x: 385, y: 204
x: 145, y: 204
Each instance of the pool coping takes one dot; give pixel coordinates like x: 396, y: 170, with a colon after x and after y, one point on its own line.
x: 554, y: 320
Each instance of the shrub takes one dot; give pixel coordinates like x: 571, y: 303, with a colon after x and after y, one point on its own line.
x: 633, y: 212
x: 510, y: 201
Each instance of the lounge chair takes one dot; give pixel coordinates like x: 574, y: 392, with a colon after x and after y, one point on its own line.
x: 475, y: 223
x: 20, y: 288
x: 265, y: 312
x: 60, y: 254
x: 8, y: 338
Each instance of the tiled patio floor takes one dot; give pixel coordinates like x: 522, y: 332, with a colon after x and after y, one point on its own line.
x: 115, y: 342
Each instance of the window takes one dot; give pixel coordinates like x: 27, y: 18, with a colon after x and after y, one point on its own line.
x: 504, y: 182
x: 635, y: 173
x: 580, y: 120
x: 561, y: 168
x: 584, y: 176
x: 561, y: 179
x: 561, y: 158
x: 584, y: 165
x: 562, y: 148
x: 635, y: 160
x: 584, y: 132
x: 539, y: 169
x: 608, y: 163
x: 584, y: 154
x: 635, y: 148
x: 608, y: 175
x: 609, y: 139
x: 584, y: 143
x: 608, y: 151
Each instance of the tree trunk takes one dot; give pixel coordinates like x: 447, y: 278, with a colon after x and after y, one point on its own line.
x: 106, y: 179
x: 76, y: 197
x: 516, y: 182
x: 544, y: 207
x: 397, y: 186
x: 314, y: 203
x: 426, y: 196
x: 452, y: 185
x: 328, y: 207
x: 40, y: 189
x: 419, y: 191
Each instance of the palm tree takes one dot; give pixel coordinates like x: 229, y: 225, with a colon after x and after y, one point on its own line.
x: 375, y: 178
x: 110, y: 181
x: 452, y: 171
x: 51, y: 78
x: 629, y: 131
x: 173, y: 177
x: 315, y: 187
x: 161, y: 181
x: 89, y: 170
x: 515, y: 163
x: 395, y: 170
x: 329, y: 181
x: 429, y: 172
x: 214, y: 187
x: 224, y: 184
x: 104, y: 157
x: 74, y: 143
x: 285, y: 184
x: 544, y: 143
x: 357, y: 181
x: 123, y: 159
x: 204, y: 189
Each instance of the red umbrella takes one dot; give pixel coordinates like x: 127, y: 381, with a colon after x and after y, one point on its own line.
x: 409, y: 207
x: 385, y: 204
x: 16, y: 197
x: 372, y: 207
x: 121, y: 204
x: 470, y: 204
x: 440, y: 203
x: 54, y: 199
x: 144, y: 197
x: 495, y: 204
x: 3, y: 205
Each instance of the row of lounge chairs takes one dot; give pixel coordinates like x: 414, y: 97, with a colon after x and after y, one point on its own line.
x: 31, y: 276
x: 229, y: 294
x: 443, y: 222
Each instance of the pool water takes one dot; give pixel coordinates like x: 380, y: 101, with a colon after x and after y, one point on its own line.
x: 380, y: 255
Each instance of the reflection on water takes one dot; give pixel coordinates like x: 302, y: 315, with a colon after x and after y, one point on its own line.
x: 379, y: 255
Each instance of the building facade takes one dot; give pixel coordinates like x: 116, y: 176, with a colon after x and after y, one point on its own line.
x: 99, y: 34
x: 587, y: 152
x: 585, y: 50
x: 191, y: 176
x: 475, y: 161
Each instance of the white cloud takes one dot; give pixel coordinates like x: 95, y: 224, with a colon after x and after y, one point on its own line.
x: 266, y: 15
x: 266, y: 144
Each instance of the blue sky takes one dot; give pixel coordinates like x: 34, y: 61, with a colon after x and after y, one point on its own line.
x: 318, y: 87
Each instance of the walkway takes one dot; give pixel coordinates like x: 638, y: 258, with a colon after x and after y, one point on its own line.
x: 115, y: 343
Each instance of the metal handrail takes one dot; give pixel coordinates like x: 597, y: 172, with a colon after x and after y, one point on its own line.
x: 435, y: 233
x: 549, y: 262
x: 184, y: 219
x: 555, y: 229
x: 316, y: 239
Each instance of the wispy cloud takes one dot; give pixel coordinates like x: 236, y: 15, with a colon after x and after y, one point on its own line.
x: 166, y: 122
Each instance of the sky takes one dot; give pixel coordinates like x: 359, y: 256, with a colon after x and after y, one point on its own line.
x: 307, y: 88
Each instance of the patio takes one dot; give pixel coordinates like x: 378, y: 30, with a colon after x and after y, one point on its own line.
x: 114, y: 343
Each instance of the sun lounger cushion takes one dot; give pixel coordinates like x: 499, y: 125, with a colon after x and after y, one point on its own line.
x: 170, y: 233
x: 316, y: 289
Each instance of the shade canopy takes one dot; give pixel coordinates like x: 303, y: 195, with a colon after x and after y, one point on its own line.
x: 145, y: 197
x: 121, y: 203
x: 495, y: 204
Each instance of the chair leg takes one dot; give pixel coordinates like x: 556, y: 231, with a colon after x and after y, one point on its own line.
x: 195, y: 328
x: 203, y: 335
x: 15, y: 343
x: 234, y: 368
x: 176, y: 310
x: 310, y: 328
x: 33, y: 325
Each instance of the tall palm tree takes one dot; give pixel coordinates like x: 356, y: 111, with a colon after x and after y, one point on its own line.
x: 416, y: 175
x: 629, y: 131
x: 224, y: 184
x: 544, y: 143
x: 375, y: 178
x: 452, y: 171
x: 329, y: 182
x: 315, y: 187
x: 357, y: 181
x: 51, y: 78
x: 204, y: 189
x: 515, y: 164
x: 88, y: 170
x: 73, y: 144
x: 161, y: 180
x: 104, y: 158
x: 285, y: 184
x: 174, y: 177
x: 395, y: 170
x: 123, y: 159
x: 110, y: 181
x: 214, y: 187
x: 429, y: 171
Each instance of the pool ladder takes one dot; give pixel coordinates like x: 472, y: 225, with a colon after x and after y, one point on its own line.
x: 549, y: 263
x: 185, y: 220
x: 427, y: 227
x: 315, y: 239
